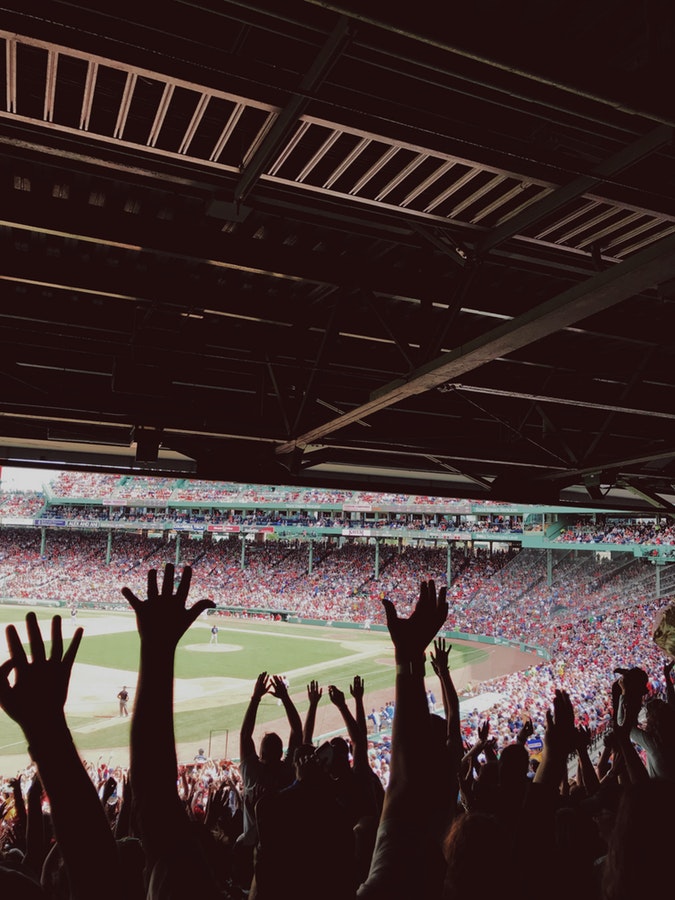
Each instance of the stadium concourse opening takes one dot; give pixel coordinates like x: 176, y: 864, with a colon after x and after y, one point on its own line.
x: 303, y: 583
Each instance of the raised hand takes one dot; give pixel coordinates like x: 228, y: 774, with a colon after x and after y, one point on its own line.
x: 262, y: 686
x: 337, y: 696
x: 484, y: 731
x: 109, y: 789
x: 36, y: 699
x: 582, y: 738
x: 560, y: 731
x: 356, y: 688
x: 314, y: 692
x: 439, y: 656
x: 163, y: 618
x: 278, y: 687
x: 526, y: 731
x: 412, y: 636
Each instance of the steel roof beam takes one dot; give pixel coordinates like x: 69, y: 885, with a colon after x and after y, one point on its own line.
x: 336, y: 44
x: 627, y: 156
x: 604, y: 290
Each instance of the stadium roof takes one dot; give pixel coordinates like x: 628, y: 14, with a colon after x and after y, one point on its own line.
x: 417, y: 247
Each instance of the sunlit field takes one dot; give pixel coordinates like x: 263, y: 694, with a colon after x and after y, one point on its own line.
x: 213, y: 681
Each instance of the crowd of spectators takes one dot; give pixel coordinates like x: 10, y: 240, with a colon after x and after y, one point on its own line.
x: 447, y: 806
x: 625, y: 531
x: 509, y: 593
x: 25, y: 504
x: 169, y: 516
x: 94, y: 486
x: 415, y: 796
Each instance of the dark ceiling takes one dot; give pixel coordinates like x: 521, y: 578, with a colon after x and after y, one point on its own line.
x: 340, y: 244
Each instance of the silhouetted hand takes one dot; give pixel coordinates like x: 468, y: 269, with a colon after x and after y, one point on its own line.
x: 412, y: 636
x: 439, y: 656
x: 526, y: 731
x: 278, y: 687
x: 484, y: 731
x: 336, y: 695
x: 314, y: 692
x: 582, y: 738
x: 108, y: 790
x: 163, y: 618
x: 217, y: 811
x: 261, y: 687
x: 356, y: 688
x: 36, y: 699
x: 559, y: 736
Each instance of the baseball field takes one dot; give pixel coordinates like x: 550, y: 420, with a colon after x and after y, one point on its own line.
x: 213, y: 680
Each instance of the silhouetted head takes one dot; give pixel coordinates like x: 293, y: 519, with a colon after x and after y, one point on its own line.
x: 308, y: 766
x: 340, y: 761
x: 271, y: 747
x: 464, y: 848
x: 514, y: 762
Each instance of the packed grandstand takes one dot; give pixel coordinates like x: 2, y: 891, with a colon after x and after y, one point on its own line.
x: 520, y: 574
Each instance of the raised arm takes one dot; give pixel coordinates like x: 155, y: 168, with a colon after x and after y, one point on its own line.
x: 279, y: 690
x: 589, y: 776
x: 246, y: 745
x: 36, y: 702
x: 627, y: 700
x: 409, y: 813
x: 411, y: 733
x: 440, y: 665
x: 526, y: 732
x: 172, y: 853
x: 359, y: 737
x: 36, y: 839
x: 314, y: 694
x: 559, y: 740
x: 604, y: 763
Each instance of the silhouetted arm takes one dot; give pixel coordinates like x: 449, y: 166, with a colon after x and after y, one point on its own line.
x: 36, y: 842
x: 440, y: 665
x: 314, y: 694
x: 409, y: 814
x: 627, y: 701
x: 589, y: 776
x: 558, y: 742
x: 408, y: 789
x: 246, y: 745
x: 279, y: 690
x: 36, y: 702
x: 172, y: 853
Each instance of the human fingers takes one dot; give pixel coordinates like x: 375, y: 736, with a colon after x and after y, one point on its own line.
x: 134, y: 602
x: 15, y: 646
x: 184, y: 586
x: 71, y: 652
x: 57, y: 639
x: 167, y: 581
x: 37, y: 645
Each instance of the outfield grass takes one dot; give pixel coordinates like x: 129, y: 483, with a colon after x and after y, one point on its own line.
x: 213, y: 685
